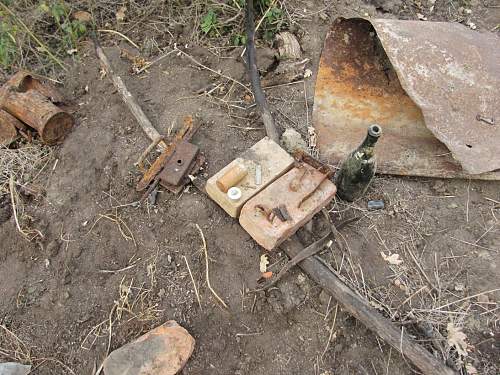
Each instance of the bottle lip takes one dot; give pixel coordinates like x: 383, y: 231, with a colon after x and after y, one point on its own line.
x: 375, y: 130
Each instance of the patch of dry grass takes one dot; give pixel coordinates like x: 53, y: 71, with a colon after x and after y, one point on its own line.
x: 12, y: 348
x: 427, y: 290
x: 37, y: 36
x: 19, y: 170
x: 43, y: 36
x: 24, y: 163
x: 134, y: 302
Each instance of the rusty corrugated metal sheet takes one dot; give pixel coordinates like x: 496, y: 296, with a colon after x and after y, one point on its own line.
x: 425, y: 83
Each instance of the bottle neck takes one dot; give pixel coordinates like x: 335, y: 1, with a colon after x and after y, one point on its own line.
x: 369, y: 141
x: 367, y: 148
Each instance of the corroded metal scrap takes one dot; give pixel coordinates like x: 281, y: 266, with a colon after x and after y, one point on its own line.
x: 27, y: 104
x: 429, y: 84
x: 179, y: 159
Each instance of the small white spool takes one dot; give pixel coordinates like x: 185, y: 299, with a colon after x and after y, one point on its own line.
x: 234, y: 194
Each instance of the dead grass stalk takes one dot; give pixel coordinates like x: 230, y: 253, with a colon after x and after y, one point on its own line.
x: 206, y: 268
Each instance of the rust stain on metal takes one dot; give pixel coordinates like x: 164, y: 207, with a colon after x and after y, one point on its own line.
x: 403, y: 90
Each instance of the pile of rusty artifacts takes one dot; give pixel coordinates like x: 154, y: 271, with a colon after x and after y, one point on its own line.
x: 429, y: 86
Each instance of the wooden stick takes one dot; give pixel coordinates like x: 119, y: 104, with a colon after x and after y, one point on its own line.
x: 361, y: 310
x: 310, y: 250
x: 253, y: 72
x: 127, y: 97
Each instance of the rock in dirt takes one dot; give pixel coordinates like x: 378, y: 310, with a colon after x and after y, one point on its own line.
x: 292, y: 141
x: 82, y: 16
x: 12, y: 368
x: 288, y: 46
x: 288, y: 297
x: 293, y: 296
x: 53, y: 248
x: 162, y: 351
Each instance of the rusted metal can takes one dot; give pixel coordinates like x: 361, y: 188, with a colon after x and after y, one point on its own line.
x: 32, y: 102
x: 38, y: 112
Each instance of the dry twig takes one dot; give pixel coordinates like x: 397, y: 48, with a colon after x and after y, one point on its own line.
x: 121, y: 35
x: 206, y: 268
x: 194, y: 283
x: 331, y: 332
x: 29, y: 234
x: 211, y: 70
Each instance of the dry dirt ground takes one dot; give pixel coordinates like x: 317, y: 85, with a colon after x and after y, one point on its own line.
x: 109, y: 269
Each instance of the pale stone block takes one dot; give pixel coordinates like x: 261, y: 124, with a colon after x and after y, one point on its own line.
x: 273, y: 162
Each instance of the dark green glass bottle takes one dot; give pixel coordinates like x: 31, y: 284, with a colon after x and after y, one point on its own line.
x: 358, y: 169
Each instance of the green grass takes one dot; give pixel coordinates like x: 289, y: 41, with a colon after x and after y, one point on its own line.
x: 70, y: 31
x: 40, y: 34
x: 8, y: 45
x: 227, y: 21
x: 274, y: 20
x: 37, y: 33
x: 209, y: 24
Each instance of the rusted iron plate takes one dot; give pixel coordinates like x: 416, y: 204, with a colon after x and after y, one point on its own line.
x: 195, y: 166
x: 179, y: 165
x: 430, y: 113
x: 185, y: 133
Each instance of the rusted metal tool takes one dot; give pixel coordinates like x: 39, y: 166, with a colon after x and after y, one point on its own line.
x: 302, y: 156
x: 176, y: 162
